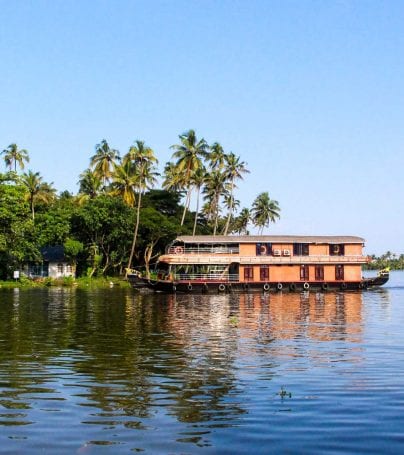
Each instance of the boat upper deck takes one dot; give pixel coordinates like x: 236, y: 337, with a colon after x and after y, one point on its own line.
x: 265, y: 250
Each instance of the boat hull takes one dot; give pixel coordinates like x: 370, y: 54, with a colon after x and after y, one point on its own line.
x: 222, y: 287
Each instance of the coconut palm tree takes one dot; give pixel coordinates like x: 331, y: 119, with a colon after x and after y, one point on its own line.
x: 104, y: 161
x: 37, y: 190
x: 230, y: 203
x: 234, y: 171
x: 264, y: 211
x: 242, y: 221
x: 215, y: 187
x: 144, y: 163
x: 173, y: 180
x: 124, y: 182
x: 217, y: 156
x: 189, y: 155
x: 197, y: 180
x: 90, y: 184
x: 12, y: 156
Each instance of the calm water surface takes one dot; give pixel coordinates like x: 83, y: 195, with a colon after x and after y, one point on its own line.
x: 113, y: 371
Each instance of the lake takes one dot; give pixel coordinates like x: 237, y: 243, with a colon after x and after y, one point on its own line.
x: 114, y: 371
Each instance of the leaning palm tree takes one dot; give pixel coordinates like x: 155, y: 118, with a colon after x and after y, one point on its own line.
x: 234, y: 171
x: 189, y: 154
x: 144, y: 163
x: 104, y: 161
x: 264, y: 210
x: 12, y: 156
x: 37, y: 190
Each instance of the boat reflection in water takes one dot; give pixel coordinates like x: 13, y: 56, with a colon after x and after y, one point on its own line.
x: 132, y: 370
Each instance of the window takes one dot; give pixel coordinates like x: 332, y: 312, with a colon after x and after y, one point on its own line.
x: 264, y: 273
x: 304, y: 272
x: 339, y: 272
x: 60, y: 268
x: 337, y: 249
x: 248, y: 273
x: 319, y: 272
x: 300, y: 249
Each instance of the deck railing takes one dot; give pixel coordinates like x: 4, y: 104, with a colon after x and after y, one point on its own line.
x: 184, y: 258
x: 203, y: 250
x: 206, y: 277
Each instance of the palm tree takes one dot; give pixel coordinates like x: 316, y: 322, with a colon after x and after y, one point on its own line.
x: 104, y: 161
x: 12, y: 156
x: 215, y: 187
x: 124, y: 182
x: 264, y: 211
x: 217, y: 157
x: 189, y: 154
x: 198, y: 179
x: 144, y: 162
x: 230, y: 204
x: 90, y: 184
x: 173, y: 180
x: 242, y: 221
x: 234, y: 170
x: 37, y: 190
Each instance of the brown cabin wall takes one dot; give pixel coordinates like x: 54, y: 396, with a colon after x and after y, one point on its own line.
x: 291, y: 273
x: 353, y: 250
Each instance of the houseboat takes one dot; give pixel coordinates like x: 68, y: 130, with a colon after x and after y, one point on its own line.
x: 220, y: 264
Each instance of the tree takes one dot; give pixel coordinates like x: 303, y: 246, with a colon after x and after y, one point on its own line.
x: 103, y: 226
x: 37, y: 190
x: 215, y: 187
x: 12, y: 156
x: 17, y: 239
x: 90, y: 184
x: 264, y: 211
x: 217, y: 156
x: 189, y: 154
x: 124, y: 182
x: 198, y: 179
x: 144, y: 162
x: 242, y: 221
x: 104, y: 161
x: 234, y: 170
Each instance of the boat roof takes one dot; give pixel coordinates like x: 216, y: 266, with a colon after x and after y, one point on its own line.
x: 222, y: 239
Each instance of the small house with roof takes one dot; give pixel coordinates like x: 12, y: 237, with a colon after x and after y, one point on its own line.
x: 54, y: 264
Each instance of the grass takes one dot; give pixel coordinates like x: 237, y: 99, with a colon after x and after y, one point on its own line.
x: 82, y: 282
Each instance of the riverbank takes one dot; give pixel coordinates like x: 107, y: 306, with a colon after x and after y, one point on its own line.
x: 83, y: 282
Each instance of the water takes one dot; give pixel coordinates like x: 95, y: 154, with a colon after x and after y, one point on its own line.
x: 89, y: 372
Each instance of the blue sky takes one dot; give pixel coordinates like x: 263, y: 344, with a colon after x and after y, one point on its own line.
x: 309, y: 93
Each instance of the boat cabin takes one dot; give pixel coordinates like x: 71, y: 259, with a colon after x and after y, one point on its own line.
x: 265, y: 259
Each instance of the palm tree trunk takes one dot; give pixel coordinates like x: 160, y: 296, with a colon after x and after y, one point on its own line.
x: 230, y: 209
x: 197, y: 211
x: 187, y: 201
x: 132, y: 251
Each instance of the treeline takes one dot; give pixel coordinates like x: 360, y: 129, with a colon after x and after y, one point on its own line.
x: 388, y: 259
x: 119, y: 219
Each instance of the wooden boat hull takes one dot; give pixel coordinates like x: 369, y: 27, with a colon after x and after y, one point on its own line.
x: 221, y: 287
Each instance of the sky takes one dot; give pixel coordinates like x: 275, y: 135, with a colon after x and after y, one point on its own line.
x: 310, y: 94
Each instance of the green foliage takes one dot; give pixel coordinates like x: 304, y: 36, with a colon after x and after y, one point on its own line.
x: 72, y: 248
x: 388, y: 259
x: 17, y: 241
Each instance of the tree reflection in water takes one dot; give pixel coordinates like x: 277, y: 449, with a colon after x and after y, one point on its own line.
x: 126, y: 360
